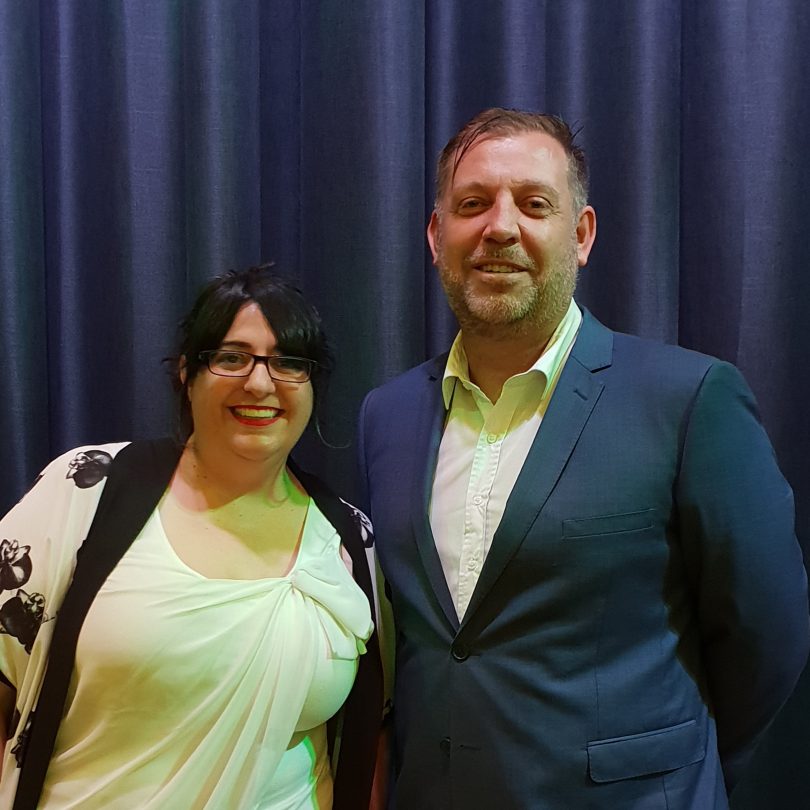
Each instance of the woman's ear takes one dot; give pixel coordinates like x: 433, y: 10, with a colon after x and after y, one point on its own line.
x: 181, y: 369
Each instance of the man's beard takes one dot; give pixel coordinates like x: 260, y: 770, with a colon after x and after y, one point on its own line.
x: 514, y: 312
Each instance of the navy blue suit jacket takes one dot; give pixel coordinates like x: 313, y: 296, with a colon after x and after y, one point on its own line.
x: 642, y: 613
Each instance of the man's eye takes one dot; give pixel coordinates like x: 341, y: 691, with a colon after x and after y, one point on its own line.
x: 470, y: 206
x: 537, y: 205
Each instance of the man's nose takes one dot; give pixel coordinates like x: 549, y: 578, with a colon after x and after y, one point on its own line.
x: 259, y: 381
x: 502, y: 223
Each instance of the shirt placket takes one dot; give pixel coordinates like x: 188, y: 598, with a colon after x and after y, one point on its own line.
x: 477, y: 528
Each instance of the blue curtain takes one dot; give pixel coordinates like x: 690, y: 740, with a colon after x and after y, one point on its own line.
x: 148, y: 146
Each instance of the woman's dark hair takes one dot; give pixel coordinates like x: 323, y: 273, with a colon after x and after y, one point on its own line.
x: 295, y: 323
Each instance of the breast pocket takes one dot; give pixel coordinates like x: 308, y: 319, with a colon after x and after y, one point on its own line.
x: 623, y: 523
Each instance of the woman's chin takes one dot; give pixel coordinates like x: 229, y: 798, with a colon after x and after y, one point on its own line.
x: 258, y: 448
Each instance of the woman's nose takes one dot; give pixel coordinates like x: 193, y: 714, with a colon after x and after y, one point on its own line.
x: 259, y: 380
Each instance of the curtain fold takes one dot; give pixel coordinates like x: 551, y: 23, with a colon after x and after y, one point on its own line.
x: 23, y: 332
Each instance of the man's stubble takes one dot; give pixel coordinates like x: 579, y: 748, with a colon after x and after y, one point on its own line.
x: 513, y: 313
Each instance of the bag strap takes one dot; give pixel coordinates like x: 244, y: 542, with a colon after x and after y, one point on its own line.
x: 138, y: 476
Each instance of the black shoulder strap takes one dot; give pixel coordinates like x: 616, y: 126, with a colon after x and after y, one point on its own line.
x: 363, y: 709
x: 138, y: 476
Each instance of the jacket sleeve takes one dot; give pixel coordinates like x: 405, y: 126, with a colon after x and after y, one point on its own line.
x: 38, y: 542
x: 736, y: 518
x: 385, y: 617
x: 27, y: 543
x: 364, y: 494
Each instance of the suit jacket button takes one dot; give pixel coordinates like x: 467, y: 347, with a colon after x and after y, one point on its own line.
x: 445, y: 745
x: 460, y: 652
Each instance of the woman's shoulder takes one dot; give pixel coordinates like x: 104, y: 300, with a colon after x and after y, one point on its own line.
x: 87, y: 464
x: 76, y: 470
x: 347, y: 518
x: 362, y: 522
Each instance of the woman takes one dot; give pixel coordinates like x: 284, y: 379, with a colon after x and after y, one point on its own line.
x: 213, y: 629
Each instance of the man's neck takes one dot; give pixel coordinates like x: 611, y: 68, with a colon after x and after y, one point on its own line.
x: 493, y: 359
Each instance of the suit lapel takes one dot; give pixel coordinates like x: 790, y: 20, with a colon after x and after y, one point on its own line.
x: 426, y: 439
x: 571, y: 405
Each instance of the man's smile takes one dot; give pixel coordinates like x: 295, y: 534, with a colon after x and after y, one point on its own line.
x: 500, y: 264
x: 498, y: 268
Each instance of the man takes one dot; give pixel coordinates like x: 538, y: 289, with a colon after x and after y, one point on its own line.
x: 598, y: 594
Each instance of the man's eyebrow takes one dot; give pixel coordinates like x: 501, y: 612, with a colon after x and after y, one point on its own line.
x: 465, y: 188
x: 520, y: 185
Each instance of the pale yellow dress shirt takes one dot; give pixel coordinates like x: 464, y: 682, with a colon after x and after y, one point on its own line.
x: 482, y: 451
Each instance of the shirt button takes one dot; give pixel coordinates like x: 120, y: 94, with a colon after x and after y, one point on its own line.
x: 478, y: 500
x: 460, y: 652
x: 492, y: 438
x: 445, y: 745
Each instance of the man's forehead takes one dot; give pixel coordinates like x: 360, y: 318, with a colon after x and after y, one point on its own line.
x: 532, y: 157
x: 537, y: 145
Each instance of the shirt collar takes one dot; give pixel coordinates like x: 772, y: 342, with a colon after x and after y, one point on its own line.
x: 548, y: 365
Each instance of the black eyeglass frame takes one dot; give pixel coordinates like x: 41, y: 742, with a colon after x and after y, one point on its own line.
x: 206, y: 356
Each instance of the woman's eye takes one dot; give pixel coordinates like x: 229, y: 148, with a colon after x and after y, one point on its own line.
x: 232, y: 359
x: 291, y: 364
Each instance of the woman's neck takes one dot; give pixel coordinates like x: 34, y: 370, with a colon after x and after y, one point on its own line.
x: 205, y: 482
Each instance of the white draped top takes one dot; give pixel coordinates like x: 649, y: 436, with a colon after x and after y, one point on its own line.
x: 187, y: 691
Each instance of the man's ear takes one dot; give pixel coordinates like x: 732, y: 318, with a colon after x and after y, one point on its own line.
x: 433, y: 234
x: 586, y: 234
x: 181, y: 369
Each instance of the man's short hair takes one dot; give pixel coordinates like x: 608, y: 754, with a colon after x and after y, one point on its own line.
x: 498, y: 122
